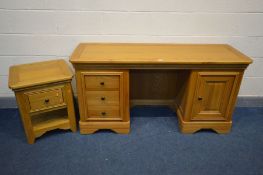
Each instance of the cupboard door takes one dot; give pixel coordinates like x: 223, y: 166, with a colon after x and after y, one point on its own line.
x: 213, y: 95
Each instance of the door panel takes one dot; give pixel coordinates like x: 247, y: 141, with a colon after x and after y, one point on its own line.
x: 213, y: 95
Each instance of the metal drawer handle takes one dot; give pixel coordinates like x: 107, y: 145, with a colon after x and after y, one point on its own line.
x: 46, y: 101
x: 103, y: 113
x: 102, y: 83
x: 103, y: 98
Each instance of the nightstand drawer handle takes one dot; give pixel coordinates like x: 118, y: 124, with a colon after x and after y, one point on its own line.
x: 103, y: 113
x: 46, y: 101
x: 102, y: 83
x: 103, y: 98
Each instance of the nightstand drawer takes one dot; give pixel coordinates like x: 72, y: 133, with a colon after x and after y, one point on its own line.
x: 102, y: 82
x: 47, y: 98
x: 104, y: 113
x: 97, y: 98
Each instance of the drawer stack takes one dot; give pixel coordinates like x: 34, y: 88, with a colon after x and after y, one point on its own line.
x: 103, y: 97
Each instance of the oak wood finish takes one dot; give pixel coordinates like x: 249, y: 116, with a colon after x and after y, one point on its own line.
x: 157, y: 84
x: 55, y: 119
x: 127, y: 53
x: 103, y: 98
x: 104, y: 113
x: 102, y: 82
x: 200, y: 81
x: 44, y: 96
x: 213, y: 94
x: 218, y: 92
x: 26, y: 75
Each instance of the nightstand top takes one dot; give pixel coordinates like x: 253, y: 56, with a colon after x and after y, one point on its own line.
x: 133, y: 53
x: 27, y: 75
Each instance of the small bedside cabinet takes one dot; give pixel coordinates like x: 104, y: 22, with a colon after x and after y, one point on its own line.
x: 44, y: 96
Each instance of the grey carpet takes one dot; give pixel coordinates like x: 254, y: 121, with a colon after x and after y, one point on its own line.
x: 154, y: 146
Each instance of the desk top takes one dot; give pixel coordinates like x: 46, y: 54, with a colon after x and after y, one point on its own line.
x: 38, y: 73
x: 123, y: 53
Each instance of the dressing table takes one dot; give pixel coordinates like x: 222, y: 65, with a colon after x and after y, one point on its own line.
x: 199, y: 81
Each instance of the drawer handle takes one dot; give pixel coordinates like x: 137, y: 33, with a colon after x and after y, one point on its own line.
x: 102, y: 83
x: 46, y: 101
x: 200, y: 98
x: 103, y: 98
x: 103, y: 113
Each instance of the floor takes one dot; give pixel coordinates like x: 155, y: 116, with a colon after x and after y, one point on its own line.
x: 154, y: 146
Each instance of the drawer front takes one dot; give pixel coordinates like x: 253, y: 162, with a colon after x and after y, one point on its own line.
x: 39, y: 100
x: 97, y: 98
x: 104, y: 113
x: 102, y: 82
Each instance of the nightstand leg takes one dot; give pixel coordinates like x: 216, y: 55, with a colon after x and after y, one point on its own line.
x: 31, y: 140
x: 25, y: 119
x: 70, y: 108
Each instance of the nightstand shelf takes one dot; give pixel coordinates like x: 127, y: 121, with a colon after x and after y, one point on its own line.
x: 44, y: 122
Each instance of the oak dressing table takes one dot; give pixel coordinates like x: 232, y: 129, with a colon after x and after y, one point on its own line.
x: 199, y: 81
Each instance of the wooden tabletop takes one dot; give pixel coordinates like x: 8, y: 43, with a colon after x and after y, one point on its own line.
x: 38, y: 73
x: 120, y: 53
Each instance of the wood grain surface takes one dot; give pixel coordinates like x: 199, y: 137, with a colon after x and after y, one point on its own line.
x: 120, y: 53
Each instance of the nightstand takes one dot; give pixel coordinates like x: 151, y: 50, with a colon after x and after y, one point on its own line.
x: 44, y: 96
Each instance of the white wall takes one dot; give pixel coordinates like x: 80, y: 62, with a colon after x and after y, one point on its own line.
x: 33, y: 30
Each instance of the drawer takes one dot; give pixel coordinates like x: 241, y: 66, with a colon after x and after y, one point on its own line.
x: 104, y: 112
x: 39, y: 100
x: 102, y: 82
x: 98, y: 98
